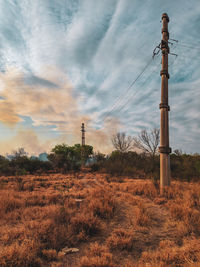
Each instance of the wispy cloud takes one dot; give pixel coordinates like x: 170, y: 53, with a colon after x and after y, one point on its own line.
x: 101, y: 47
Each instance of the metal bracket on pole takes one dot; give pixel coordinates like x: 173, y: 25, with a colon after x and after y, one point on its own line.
x: 164, y: 72
x: 162, y: 105
x: 164, y: 149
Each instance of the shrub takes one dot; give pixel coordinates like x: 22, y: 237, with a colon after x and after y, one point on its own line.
x: 24, y: 254
x: 65, y: 158
x: 102, y: 203
x: 97, y: 256
x: 85, y: 225
x: 20, y: 183
x: 142, y: 217
x: 169, y: 254
x: 50, y: 254
x: 190, y: 217
x: 8, y: 202
x: 121, y: 239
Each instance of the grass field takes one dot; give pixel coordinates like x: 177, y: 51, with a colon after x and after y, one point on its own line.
x: 112, y: 221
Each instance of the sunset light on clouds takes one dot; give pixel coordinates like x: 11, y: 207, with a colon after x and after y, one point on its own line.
x: 66, y: 62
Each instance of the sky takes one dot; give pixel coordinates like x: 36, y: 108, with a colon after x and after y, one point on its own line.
x: 64, y: 62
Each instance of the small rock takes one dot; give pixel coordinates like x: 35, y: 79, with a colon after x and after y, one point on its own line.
x: 67, y: 250
x: 61, y: 254
x: 78, y: 200
x: 72, y: 250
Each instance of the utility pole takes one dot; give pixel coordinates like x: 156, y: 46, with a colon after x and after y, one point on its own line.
x: 164, y: 148
x: 83, y: 143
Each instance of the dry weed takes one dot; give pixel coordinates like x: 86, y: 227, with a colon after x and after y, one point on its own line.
x: 97, y: 256
x: 142, y: 216
x: 38, y: 222
x: 121, y: 239
x: 169, y: 254
x: 85, y: 225
x: 102, y: 203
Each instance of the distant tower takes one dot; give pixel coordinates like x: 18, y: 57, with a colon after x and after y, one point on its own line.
x: 83, y: 134
x: 83, y: 144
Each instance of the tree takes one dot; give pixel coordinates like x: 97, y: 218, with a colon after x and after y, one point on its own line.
x: 19, y: 161
x: 20, y: 152
x: 65, y: 158
x: 178, y: 152
x: 86, y: 151
x: 5, y: 166
x: 61, y: 157
x: 122, y: 142
x: 148, y: 142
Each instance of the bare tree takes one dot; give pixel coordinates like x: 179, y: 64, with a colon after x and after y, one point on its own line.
x: 178, y: 152
x: 148, y: 142
x: 20, y: 152
x: 122, y: 142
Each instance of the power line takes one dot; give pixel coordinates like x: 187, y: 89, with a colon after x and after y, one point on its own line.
x: 127, y: 100
x: 117, y: 102
x: 156, y: 53
x: 185, y: 55
x: 188, y: 46
x: 184, y: 44
x: 135, y: 93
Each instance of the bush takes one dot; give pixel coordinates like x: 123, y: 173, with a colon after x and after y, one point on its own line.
x: 121, y: 239
x: 65, y: 158
x: 21, y: 165
x: 102, y: 203
x: 97, y: 256
x: 85, y: 225
x: 20, y: 183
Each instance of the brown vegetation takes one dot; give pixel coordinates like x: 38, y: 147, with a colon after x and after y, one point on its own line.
x: 111, y: 222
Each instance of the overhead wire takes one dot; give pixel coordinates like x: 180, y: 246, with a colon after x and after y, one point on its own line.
x: 185, y: 44
x: 182, y: 44
x: 126, y: 100
x: 134, y: 93
x: 121, y: 97
x: 188, y: 46
x: 144, y: 83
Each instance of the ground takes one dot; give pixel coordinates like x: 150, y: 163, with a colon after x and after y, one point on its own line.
x: 113, y: 221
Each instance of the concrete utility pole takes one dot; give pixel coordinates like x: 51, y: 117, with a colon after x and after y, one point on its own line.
x: 83, y: 143
x: 164, y: 148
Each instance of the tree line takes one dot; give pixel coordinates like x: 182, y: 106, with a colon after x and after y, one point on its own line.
x: 123, y: 161
x: 62, y: 158
x: 146, y: 162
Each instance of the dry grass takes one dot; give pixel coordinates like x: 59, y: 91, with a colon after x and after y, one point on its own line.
x: 102, y: 202
x: 97, y: 256
x: 112, y: 223
x: 142, y: 216
x: 121, y: 239
x: 169, y: 254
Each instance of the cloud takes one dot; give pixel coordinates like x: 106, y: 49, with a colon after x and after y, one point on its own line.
x: 46, y: 107
x: 39, y: 102
x: 101, y: 46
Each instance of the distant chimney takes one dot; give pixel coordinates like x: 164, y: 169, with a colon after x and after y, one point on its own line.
x: 83, y: 134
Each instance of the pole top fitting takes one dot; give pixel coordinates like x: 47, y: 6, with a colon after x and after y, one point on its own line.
x: 165, y: 16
